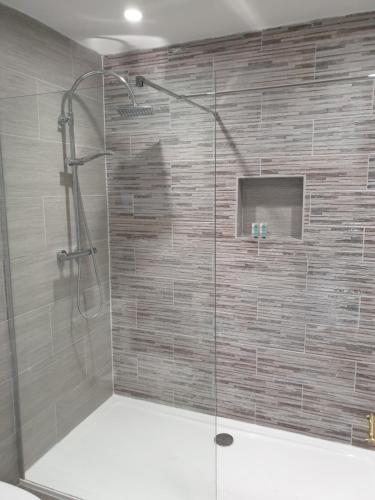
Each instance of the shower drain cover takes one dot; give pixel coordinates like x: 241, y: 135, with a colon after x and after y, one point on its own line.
x: 223, y: 439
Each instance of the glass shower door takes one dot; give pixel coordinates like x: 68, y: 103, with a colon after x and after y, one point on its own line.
x: 127, y: 412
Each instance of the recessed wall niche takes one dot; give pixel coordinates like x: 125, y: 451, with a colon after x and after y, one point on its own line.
x: 275, y: 201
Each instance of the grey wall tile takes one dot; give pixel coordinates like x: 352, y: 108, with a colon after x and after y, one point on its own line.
x: 33, y: 337
x: 44, y: 383
x: 263, y: 67
x: 343, y: 208
x: 323, y: 173
x: 85, y: 60
x: 39, y: 435
x: 7, y: 419
x: 343, y: 343
x: 138, y: 287
x: 38, y: 280
x: 354, y: 279
x: 369, y: 241
x: 34, y: 49
x: 8, y: 460
x: 335, y: 242
x: 236, y: 307
x: 88, y: 114
x: 340, y: 405
x: 168, y: 264
x: 365, y: 378
x: 133, y: 341
x: 318, y: 101
x: 348, y: 50
x: 26, y: 224
x: 371, y: 172
x: 68, y: 326
x: 60, y: 222
x: 5, y: 353
x: 346, y: 136
x: 303, y: 422
x: 301, y: 368
x: 167, y: 318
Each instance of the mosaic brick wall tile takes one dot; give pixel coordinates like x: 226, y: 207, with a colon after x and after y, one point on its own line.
x: 342, y: 405
x: 349, y: 53
x: 354, y: 208
x: 316, y: 101
x: 263, y: 67
x: 323, y: 173
x: 371, y: 172
x: 304, y: 423
x: 346, y: 136
x: 294, y: 318
x: 190, y: 321
x: 341, y: 343
x: 302, y: 367
x: 331, y: 276
x: 369, y: 245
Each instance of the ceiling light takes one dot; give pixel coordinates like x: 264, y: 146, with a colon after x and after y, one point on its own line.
x: 133, y: 15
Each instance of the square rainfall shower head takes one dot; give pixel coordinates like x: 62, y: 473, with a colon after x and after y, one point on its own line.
x: 134, y: 110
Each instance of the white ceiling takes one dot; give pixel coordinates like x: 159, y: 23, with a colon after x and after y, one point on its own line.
x: 100, y: 24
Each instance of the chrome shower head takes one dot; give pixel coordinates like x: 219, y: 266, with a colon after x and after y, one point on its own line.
x: 134, y: 110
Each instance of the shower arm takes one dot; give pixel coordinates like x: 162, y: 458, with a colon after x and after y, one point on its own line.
x: 140, y: 81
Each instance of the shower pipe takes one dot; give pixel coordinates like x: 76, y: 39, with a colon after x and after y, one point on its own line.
x: 66, y: 118
x: 140, y: 81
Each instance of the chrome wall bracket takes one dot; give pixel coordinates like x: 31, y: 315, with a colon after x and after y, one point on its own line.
x: 63, y: 255
x: 63, y: 119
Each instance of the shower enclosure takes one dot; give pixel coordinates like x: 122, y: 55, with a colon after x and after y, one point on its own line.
x: 189, y: 269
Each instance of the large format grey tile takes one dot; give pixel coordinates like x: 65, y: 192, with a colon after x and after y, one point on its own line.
x: 68, y: 326
x: 32, y: 166
x: 88, y: 117
x: 302, y: 367
x: 43, y: 384
x: 39, y: 280
x: 7, y: 427
x: 9, y: 460
x: 79, y: 403
x: 34, y: 49
x: 315, y: 101
x: 25, y: 226
x: 18, y: 104
x: 33, y: 337
x: 290, y: 314
x: 60, y: 220
x: 39, y: 435
x: 6, y: 366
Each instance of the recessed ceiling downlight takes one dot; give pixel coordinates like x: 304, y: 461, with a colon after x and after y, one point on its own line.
x: 133, y: 15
